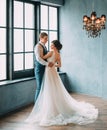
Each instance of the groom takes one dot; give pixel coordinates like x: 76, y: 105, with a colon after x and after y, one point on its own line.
x: 40, y: 49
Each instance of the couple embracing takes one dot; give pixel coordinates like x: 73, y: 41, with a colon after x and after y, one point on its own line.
x: 53, y: 104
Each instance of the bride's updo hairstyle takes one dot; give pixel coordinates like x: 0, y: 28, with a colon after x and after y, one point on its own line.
x: 57, y: 44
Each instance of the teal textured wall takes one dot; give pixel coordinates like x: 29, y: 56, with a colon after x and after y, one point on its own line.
x: 83, y: 59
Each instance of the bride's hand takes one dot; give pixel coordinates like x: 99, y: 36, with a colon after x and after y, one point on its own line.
x: 50, y: 64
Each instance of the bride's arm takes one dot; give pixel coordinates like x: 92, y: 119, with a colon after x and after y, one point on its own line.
x: 49, y: 54
x: 58, y: 62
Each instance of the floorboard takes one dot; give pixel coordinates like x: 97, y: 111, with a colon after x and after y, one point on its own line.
x: 14, y: 120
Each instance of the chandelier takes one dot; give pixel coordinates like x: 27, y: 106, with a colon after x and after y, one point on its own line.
x: 93, y: 24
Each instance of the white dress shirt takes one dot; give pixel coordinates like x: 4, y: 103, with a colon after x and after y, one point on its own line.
x: 37, y: 51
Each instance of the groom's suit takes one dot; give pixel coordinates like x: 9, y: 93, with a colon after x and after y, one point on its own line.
x: 39, y: 66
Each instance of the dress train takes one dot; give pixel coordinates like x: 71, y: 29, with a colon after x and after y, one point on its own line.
x: 55, y: 106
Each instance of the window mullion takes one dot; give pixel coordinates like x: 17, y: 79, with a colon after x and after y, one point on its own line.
x: 10, y: 40
x: 23, y: 36
x: 48, y: 29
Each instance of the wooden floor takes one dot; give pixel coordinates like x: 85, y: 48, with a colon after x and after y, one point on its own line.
x: 14, y: 121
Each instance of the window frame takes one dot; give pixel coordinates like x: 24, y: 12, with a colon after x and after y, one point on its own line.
x: 26, y: 72
x: 49, y: 30
x: 6, y: 53
x: 10, y: 73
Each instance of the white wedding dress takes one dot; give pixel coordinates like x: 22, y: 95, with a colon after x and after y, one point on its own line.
x: 55, y: 106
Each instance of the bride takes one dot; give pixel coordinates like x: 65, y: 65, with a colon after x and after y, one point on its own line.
x: 54, y: 105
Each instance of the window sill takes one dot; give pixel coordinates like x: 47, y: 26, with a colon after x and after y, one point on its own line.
x: 7, y: 82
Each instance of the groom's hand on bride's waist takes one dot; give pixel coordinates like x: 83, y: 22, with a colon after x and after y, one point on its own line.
x: 50, y: 64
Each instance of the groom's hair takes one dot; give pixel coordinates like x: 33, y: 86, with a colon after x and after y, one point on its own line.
x: 43, y: 34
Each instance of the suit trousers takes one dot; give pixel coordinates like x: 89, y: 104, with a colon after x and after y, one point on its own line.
x: 39, y: 73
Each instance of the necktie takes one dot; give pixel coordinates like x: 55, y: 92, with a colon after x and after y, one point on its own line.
x: 45, y: 48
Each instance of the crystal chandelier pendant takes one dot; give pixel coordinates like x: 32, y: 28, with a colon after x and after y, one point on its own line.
x: 93, y: 24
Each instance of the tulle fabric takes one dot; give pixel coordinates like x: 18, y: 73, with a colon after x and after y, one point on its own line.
x: 55, y: 106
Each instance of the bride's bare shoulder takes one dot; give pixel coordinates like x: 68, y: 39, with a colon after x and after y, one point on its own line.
x: 58, y: 56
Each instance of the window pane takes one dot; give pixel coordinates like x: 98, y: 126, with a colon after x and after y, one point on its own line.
x: 28, y: 60
x: 18, y: 14
x: 52, y: 36
x: 18, y: 62
x: 44, y: 17
x: 2, y: 40
x: 18, y: 40
x: 2, y: 67
x: 52, y: 18
x: 2, y: 12
x: 29, y: 16
x: 29, y: 40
